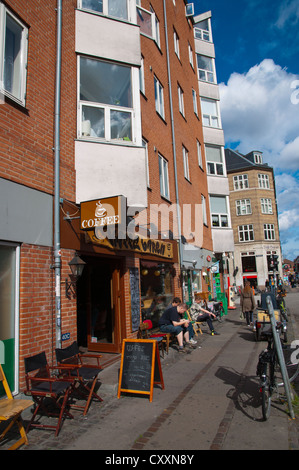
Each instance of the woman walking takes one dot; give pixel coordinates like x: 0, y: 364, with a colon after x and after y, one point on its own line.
x: 247, y: 303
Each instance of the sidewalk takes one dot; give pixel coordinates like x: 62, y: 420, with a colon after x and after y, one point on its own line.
x: 210, y: 396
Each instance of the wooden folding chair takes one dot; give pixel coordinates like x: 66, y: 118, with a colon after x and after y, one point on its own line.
x: 72, y: 365
x: 44, y: 386
x: 195, y: 324
x: 10, y: 410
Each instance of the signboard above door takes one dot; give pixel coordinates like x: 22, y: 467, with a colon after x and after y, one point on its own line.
x: 103, y: 212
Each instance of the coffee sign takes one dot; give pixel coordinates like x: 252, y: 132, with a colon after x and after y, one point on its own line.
x: 103, y: 212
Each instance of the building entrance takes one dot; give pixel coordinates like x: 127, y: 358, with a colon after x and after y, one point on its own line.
x: 98, y: 305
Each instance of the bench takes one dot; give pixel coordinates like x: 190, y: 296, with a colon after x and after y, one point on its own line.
x: 10, y: 410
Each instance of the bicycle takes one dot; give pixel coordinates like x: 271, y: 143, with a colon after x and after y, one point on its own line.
x: 268, y: 366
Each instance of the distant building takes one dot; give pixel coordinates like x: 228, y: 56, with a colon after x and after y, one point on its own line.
x: 254, y: 218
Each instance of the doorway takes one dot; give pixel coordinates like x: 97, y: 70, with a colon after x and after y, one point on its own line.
x: 98, y: 305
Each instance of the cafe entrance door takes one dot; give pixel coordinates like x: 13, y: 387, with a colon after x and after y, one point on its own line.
x: 98, y: 305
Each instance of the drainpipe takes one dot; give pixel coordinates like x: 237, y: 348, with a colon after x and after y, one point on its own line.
x: 57, y: 251
x: 173, y: 142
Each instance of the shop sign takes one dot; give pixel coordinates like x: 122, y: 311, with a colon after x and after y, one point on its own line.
x: 103, y: 212
x: 138, y: 245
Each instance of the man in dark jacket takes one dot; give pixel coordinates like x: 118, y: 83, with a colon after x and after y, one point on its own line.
x: 171, y: 322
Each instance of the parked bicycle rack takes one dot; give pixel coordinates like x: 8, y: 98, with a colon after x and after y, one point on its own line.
x: 281, y: 361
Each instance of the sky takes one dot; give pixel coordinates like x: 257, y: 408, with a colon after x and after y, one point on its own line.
x: 257, y: 67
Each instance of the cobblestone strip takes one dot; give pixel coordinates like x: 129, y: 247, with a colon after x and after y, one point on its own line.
x: 149, y: 433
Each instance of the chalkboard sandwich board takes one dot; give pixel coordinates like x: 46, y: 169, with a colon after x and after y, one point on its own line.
x: 140, y: 367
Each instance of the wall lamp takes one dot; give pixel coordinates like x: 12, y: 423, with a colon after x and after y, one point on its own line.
x: 77, y: 266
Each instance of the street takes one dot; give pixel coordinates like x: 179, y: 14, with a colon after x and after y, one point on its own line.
x: 210, y: 402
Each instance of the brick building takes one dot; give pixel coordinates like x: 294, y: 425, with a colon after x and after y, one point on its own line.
x: 102, y: 156
x: 254, y: 218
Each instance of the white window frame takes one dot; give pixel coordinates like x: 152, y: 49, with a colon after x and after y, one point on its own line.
x: 141, y: 76
x: 218, y: 167
x: 190, y: 52
x: 269, y: 232
x: 263, y: 181
x: 159, y: 97
x: 194, y: 98
x: 156, y: 27
x: 243, y: 207
x: 202, y: 34
x: 107, y: 108
x: 105, y: 11
x: 181, y: 100
x: 210, y: 120
x: 240, y: 182
x: 163, y: 177
x: 246, y: 232
x: 204, y: 210
x: 206, y: 75
x: 18, y: 95
x: 176, y: 42
x: 222, y: 218
x: 145, y: 146
x: 186, y: 163
x: 199, y: 153
x: 266, y: 206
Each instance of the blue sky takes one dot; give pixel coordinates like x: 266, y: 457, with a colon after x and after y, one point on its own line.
x: 257, y: 66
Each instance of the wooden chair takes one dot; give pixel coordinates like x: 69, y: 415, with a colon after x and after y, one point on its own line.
x: 195, y: 324
x: 72, y: 365
x: 10, y: 410
x: 43, y: 386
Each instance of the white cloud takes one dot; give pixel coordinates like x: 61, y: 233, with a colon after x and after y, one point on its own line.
x: 257, y: 111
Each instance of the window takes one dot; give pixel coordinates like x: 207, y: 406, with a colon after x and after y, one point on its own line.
x: 199, y: 154
x: 248, y: 262
x: 141, y: 76
x: 159, y: 97
x: 194, y: 97
x: 190, y: 52
x: 145, y: 21
x: 163, y: 175
x: 219, y: 211
x: 258, y: 158
x: 106, y: 108
x: 115, y: 8
x: 186, y: 163
x: 263, y: 181
x: 269, y: 232
x: 266, y: 206
x: 246, y: 233
x: 202, y: 31
x: 181, y: 100
x: 243, y: 206
x: 145, y: 146
x: 240, y: 182
x: 176, y: 43
x: 204, y: 210
x: 156, y: 28
x: 205, y: 68
x: 13, y: 56
x: 214, y: 160
x: 210, y: 113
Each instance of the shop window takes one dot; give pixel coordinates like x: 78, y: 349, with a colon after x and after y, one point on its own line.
x: 248, y: 264
x: 156, y: 289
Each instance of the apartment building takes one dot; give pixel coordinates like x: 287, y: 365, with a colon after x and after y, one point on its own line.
x: 218, y: 187
x: 254, y: 219
x: 102, y: 168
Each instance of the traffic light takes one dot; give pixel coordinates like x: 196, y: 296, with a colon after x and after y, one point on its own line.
x: 274, y: 262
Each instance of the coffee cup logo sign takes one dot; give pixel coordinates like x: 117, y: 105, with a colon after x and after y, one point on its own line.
x: 103, y: 212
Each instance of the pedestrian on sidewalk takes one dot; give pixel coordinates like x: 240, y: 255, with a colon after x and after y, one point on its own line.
x: 247, y: 303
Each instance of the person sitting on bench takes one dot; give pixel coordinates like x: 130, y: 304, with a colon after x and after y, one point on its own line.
x: 171, y: 322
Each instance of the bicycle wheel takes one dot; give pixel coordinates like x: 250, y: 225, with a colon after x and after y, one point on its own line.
x: 266, y: 390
